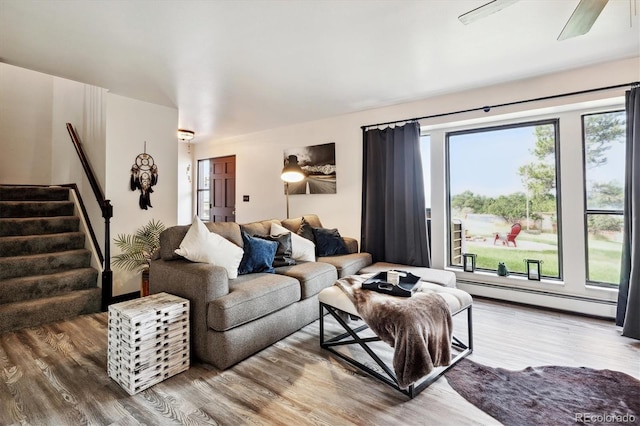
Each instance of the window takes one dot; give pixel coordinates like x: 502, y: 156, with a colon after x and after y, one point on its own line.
x: 204, y: 190
x: 502, y: 196
x: 604, y: 151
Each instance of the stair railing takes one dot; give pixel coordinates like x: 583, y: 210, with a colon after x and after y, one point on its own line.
x: 107, y: 214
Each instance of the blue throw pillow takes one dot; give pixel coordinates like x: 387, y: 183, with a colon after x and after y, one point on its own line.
x: 329, y: 242
x: 258, y: 255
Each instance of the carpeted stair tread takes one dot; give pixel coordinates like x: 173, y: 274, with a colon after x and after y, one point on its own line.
x: 40, y: 286
x: 35, y: 244
x: 33, y: 193
x: 42, y: 264
x: 32, y: 313
x: 36, y: 208
x: 38, y: 226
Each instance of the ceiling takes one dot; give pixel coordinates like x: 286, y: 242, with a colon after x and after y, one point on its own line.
x: 235, y: 67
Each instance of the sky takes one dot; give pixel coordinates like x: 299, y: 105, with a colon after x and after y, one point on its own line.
x: 487, y: 163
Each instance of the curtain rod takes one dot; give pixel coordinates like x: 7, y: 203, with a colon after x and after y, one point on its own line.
x: 488, y: 108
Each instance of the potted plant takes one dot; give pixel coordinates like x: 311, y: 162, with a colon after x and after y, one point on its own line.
x: 138, y: 249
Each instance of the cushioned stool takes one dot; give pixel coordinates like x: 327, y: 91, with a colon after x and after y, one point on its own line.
x: 334, y: 301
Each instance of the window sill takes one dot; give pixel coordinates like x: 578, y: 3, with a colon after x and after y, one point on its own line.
x: 547, y: 286
x: 510, y: 280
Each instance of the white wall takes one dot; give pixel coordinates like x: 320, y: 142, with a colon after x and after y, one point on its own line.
x: 129, y: 124
x: 26, y: 99
x: 68, y: 107
x: 259, y: 161
x: 186, y: 181
x: 259, y: 155
x: 83, y: 106
x: 35, y: 148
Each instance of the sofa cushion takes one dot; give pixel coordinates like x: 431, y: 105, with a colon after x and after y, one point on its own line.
x: 171, y: 238
x: 348, y: 264
x: 294, y: 224
x: 229, y: 230
x: 284, y: 252
x: 259, y: 228
x: 258, y: 255
x: 251, y: 297
x: 312, y: 276
x: 301, y: 248
x: 200, y: 245
x: 328, y: 242
x: 351, y: 244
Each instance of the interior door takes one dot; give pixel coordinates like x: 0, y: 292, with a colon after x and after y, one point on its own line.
x: 217, y: 189
x: 223, y: 189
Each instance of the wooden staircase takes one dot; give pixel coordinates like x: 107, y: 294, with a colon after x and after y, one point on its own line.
x: 45, y: 271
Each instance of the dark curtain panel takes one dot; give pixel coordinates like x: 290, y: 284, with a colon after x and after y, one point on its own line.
x: 628, y: 313
x: 393, y: 211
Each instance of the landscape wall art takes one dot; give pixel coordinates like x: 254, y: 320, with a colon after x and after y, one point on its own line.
x: 319, y: 165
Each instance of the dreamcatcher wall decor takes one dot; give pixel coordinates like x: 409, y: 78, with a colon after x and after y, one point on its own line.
x: 144, y: 175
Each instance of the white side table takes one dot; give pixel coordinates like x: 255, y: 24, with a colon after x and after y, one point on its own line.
x: 148, y: 340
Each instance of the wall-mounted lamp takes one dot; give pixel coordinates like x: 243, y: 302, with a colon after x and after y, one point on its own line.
x: 186, y: 135
x: 469, y: 262
x: 292, y: 172
x: 533, y: 269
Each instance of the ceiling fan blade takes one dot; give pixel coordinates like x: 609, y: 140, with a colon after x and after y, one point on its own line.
x: 484, y: 10
x: 582, y: 18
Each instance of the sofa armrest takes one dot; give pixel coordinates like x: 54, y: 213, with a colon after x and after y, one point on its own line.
x: 199, y: 283
x: 351, y: 243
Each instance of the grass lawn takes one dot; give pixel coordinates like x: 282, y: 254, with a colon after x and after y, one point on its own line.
x: 604, y: 260
x: 604, y: 255
x: 489, y: 257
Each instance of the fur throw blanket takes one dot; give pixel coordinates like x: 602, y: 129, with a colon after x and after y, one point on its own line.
x: 419, y: 327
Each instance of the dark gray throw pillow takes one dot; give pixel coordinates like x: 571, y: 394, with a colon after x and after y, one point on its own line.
x: 283, y: 253
x: 329, y: 242
x: 306, y: 231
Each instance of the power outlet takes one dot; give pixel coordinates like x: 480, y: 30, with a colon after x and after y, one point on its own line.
x: 245, y: 198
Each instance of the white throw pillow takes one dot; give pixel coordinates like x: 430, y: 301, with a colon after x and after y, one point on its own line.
x: 201, y: 245
x: 301, y: 248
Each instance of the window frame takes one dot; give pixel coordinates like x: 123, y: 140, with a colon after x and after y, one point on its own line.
x: 199, y: 179
x: 588, y: 211
x: 555, y: 121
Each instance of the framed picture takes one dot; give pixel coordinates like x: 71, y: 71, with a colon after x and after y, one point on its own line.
x: 469, y: 262
x: 319, y: 164
x: 533, y: 269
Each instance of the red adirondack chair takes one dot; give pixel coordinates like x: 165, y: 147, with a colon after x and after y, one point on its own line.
x: 510, y: 237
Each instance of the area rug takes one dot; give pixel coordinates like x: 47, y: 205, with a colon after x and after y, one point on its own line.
x: 549, y: 395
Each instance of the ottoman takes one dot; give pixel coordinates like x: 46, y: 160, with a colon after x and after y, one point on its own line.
x: 335, y: 302
x: 436, y: 276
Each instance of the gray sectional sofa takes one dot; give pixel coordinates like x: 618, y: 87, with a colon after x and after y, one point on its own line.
x: 232, y: 319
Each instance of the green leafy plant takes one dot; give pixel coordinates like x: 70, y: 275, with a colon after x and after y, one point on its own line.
x: 138, y: 248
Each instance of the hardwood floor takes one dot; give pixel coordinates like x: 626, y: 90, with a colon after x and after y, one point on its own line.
x: 56, y: 375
